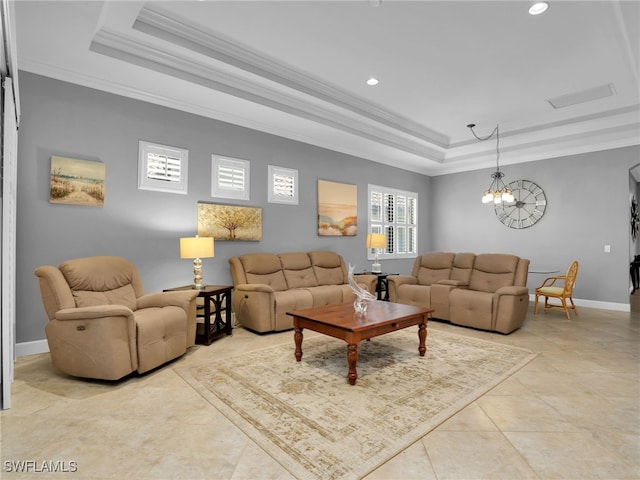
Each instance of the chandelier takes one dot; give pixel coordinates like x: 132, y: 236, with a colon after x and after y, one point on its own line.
x: 497, y: 192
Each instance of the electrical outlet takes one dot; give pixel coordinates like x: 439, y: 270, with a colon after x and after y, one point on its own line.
x: 607, y: 249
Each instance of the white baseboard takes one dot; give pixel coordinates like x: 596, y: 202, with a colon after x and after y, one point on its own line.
x: 31, y: 348
x: 619, y: 307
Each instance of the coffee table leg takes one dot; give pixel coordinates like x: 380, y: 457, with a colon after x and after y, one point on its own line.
x: 422, y: 335
x: 352, y: 359
x: 297, y: 336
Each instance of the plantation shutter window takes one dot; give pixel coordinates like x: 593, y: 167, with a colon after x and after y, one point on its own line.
x: 394, y: 213
x: 283, y: 185
x: 162, y: 168
x: 230, y: 178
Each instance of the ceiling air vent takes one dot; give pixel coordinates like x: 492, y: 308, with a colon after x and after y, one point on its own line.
x: 581, y: 97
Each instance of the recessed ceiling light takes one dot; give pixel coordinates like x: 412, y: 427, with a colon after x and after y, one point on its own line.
x: 538, y: 8
x: 372, y: 81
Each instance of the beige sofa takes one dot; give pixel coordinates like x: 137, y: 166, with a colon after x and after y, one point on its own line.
x: 101, y: 325
x: 486, y: 291
x: 267, y: 286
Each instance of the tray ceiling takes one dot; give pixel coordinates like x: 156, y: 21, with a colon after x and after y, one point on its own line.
x: 560, y: 83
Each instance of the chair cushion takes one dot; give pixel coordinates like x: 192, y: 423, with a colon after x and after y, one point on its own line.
x: 556, y: 291
x: 97, y: 274
x: 161, y: 335
x: 120, y: 296
x: 101, y: 281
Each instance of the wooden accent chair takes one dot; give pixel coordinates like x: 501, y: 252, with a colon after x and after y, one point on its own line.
x: 548, y: 289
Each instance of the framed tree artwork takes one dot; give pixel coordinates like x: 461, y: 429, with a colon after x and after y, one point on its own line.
x: 229, y: 222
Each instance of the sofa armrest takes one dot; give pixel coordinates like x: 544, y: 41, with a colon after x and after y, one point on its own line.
x: 254, y: 287
x: 182, y: 299
x: 94, y: 312
x: 398, y: 280
x: 512, y: 290
x: 395, y: 281
x: 254, y: 306
x: 370, y: 282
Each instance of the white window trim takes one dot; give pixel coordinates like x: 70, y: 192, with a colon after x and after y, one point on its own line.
x: 378, y: 226
x: 220, y: 191
x: 274, y: 197
x: 145, y: 149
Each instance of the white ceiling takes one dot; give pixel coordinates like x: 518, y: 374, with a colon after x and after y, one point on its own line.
x: 298, y: 69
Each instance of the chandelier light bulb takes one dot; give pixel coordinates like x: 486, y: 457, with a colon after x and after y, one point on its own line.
x: 487, y: 197
x: 507, y: 196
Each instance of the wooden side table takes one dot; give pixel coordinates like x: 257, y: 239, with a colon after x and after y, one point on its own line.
x: 382, y: 287
x: 210, y: 329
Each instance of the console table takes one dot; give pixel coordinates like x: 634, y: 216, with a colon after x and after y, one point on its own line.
x: 218, y: 296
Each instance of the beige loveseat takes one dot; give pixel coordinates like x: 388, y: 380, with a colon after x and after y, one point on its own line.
x: 101, y: 325
x: 267, y: 286
x: 486, y: 291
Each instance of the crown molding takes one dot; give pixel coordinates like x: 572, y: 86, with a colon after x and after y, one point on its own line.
x: 152, y: 20
x: 135, y: 52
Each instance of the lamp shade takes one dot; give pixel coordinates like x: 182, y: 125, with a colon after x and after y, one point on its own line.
x: 376, y: 240
x: 196, y: 247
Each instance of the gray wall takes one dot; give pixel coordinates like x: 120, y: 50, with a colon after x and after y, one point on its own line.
x: 587, y: 207
x: 63, y: 119
x: 588, y: 200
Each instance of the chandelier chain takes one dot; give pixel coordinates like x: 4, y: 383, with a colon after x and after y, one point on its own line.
x: 496, y: 132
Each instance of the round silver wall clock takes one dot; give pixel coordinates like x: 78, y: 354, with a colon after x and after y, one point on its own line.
x: 527, y: 208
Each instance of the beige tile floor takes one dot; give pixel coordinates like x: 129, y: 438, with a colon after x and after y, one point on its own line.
x: 572, y: 413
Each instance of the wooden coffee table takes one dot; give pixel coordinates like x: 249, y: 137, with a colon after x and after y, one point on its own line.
x: 340, y: 321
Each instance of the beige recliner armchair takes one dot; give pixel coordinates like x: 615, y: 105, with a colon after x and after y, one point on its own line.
x: 101, y: 325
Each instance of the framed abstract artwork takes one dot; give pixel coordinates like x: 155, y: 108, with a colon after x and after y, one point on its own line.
x: 337, y: 209
x: 229, y: 222
x: 76, y: 182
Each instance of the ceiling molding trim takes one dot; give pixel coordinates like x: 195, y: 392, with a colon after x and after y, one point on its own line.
x: 575, y: 144
x: 133, y: 51
x: 603, y: 117
x: 163, y: 25
x: 98, y: 83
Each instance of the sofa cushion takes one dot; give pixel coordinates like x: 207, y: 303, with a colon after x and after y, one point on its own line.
x: 326, y: 295
x: 492, y: 271
x: 264, y: 268
x: 433, y: 266
x: 462, y: 266
x: 329, y: 268
x: 297, y: 270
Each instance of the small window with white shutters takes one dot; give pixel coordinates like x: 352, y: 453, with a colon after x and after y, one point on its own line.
x: 283, y: 185
x: 162, y: 168
x: 230, y: 177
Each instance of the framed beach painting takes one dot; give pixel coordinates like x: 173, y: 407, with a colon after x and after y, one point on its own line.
x: 76, y: 182
x: 337, y: 209
x: 229, y: 222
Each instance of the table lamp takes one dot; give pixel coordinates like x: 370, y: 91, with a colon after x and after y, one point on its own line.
x: 376, y: 241
x: 196, y: 248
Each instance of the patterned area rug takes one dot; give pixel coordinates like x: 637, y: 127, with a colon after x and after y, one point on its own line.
x: 316, y: 425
